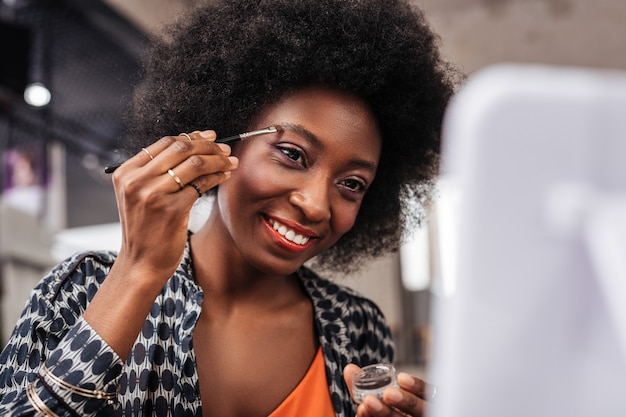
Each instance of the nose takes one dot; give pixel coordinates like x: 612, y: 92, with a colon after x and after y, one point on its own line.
x: 312, y: 198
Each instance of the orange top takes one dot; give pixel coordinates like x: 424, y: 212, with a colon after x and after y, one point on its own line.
x: 311, y: 398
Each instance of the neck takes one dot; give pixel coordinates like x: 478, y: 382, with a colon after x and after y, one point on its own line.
x: 230, y: 281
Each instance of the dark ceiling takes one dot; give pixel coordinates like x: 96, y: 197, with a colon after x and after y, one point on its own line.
x: 88, y: 56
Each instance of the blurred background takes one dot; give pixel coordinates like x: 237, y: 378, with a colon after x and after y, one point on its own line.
x: 67, y: 71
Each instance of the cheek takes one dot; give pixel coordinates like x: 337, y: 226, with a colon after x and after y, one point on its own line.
x: 344, y: 217
x: 256, y: 181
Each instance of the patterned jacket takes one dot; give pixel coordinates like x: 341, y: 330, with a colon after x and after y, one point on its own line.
x: 159, y: 378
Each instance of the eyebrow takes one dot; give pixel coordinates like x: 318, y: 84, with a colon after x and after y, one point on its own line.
x: 317, y: 143
x: 306, y: 134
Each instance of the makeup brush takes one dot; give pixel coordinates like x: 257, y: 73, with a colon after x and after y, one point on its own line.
x: 230, y: 139
x: 246, y: 135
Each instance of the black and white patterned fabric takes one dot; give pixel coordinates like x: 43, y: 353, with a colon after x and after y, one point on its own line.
x: 159, y: 378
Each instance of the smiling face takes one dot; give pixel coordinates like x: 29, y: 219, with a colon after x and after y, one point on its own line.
x: 296, y: 192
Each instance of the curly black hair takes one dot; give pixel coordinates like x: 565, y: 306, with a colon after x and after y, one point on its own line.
x: 228, y: 59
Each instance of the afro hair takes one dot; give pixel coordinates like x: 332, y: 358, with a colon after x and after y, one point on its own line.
x: 228, y: 59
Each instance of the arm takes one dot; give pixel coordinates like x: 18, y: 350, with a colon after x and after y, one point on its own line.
x: 154, y: 211
x: 154, y: 214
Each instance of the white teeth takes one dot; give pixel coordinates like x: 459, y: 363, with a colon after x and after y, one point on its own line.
x: 289, y: 234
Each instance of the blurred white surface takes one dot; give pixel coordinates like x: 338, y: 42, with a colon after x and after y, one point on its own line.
x: 415, y: 262
x: 109, y: 236
x: 535, y: 324
x: 24, y: 258
x: 78, y: 239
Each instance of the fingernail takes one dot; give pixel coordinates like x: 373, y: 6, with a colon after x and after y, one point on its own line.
x: 430, y: 391
x: 224, y: 147
x: 234, y: 160
x: 373, y: 402
x: 393, y: 395
x: 406, y: 379
x: 206, y: 134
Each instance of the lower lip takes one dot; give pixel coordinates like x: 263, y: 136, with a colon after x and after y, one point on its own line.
x: 285, y: 243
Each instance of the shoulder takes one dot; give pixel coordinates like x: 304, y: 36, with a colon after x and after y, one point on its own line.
x: 60, y: 298
x: 335, y: 299
x: 351, y: 327
x: 329, y: 293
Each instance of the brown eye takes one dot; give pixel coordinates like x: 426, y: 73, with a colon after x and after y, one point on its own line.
x: 354, y: 185
x: 292, y: 153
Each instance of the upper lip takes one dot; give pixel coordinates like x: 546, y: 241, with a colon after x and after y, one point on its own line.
x: 295, y: 226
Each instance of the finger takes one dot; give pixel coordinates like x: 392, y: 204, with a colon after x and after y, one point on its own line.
x: 150, y: 152
x: 205, y: 171
x: 183, y: 150
x: 374, y: 407
x: 145, y: 155
x: 207, y: 182
x: 416, y: 385
x: 196, y: 135
x: 348, y: 375
x: 404, y: 401
x: 196, y: 188
x: 176, y: 178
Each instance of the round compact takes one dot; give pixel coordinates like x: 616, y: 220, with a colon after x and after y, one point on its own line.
x: 373, y: 379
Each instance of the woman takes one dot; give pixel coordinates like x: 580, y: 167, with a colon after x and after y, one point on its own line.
x: 227, y: 321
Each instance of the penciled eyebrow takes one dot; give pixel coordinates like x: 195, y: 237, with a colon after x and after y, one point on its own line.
x: 317, y: 143
x: 306, y: 134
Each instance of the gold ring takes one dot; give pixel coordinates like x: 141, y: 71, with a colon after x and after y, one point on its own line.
x: 186, y: 135
x: 175, y: 178
x: 195, y: 187
x: 147, y: 153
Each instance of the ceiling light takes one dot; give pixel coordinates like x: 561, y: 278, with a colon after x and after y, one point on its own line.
x: 37, y: 95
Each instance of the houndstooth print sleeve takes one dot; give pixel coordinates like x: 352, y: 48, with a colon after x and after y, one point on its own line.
x: 159, y: 377
x: 51, y: 330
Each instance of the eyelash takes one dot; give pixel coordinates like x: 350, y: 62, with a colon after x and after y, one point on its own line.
x: 360, y: 188
x: 288, y: 151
